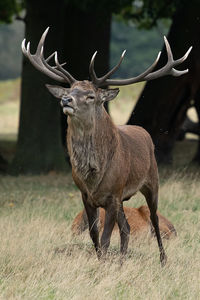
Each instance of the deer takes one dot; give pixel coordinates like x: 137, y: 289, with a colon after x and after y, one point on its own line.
x: 109, y: 163
x: 138, y: 220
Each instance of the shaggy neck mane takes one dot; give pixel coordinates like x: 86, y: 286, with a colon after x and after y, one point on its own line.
x: 91, y: 144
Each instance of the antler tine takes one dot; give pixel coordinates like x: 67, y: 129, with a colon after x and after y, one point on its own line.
x: 50, y: 68
x: 50, y: 56
x: 91, y: 69
x: 168, y: 69
x: 173, y: 62
x: 184, y: 57
x: 53, y: 68
x: 41, y: 64
x: 177, y: 73
x: 40, y: 50
x: 59, y: 66
x: 170, y: 55
x: 134, y: 79
x: 169, y: 51
x: 100, y: 81
x: 63, y: 64
x: 23, y: 46
x: 41, y: 42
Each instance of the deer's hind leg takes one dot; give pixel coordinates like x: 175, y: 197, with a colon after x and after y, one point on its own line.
x: 151, y: 196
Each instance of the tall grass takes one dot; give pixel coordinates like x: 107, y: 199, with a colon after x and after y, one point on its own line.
x: 40, y: 259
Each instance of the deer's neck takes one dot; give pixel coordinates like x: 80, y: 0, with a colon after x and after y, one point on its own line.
x: 91, y: 144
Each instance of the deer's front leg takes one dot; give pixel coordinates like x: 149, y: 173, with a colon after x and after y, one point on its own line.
x: 93, y: 217
x: 110, y: 219
x: 124, y: 229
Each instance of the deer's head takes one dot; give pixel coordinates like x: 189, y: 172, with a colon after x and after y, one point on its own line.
x: 83, y: 97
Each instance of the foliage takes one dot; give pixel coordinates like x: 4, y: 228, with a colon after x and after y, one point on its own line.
x: 114, y: 6
x: 146, y: 13
x: 9, y: 8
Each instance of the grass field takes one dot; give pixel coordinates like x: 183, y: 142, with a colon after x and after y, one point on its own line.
x: 40, y: 259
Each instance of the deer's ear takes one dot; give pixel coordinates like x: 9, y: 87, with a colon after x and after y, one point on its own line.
x: 108, y: 94
x: 57, y: 91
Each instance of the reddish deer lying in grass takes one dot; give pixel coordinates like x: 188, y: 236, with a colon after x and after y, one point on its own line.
x: 109, y: 163
x: 138, y: 220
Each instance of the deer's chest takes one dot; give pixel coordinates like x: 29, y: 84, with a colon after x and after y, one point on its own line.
x: 84, y: 161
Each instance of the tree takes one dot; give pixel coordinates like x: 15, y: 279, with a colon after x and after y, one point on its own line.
x: 3, y: 164
x: 163, y: 103
x: 39, y: 147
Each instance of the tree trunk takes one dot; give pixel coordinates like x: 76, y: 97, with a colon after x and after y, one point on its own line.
x: 39, y: 147
x: 3, y: 165
x: 85, y: 33
x: 162, y: 106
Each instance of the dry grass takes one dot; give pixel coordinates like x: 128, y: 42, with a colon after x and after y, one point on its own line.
x: 122, y: 106
x: 9, y: 109
x: 40, y: 259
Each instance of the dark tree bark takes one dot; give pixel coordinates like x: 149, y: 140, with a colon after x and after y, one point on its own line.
x: 39, y: 147
x: 85, y: 33
x: 162, y: 106
x: 3, y: 164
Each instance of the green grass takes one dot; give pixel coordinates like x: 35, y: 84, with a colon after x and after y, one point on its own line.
x: 41, y: 259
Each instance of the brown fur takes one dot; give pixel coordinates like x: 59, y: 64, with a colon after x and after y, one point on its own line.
x: 138, y: 219
x: 109, y: 163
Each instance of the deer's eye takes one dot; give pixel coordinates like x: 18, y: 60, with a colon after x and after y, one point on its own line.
x: 90, y: 98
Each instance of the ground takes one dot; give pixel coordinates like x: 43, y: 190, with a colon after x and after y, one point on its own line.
x: 41, y: 259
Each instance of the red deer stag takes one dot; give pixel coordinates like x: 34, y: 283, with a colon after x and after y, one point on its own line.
x: 109, y: 163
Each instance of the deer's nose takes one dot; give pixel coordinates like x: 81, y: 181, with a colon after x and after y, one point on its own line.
x: 66, y: 100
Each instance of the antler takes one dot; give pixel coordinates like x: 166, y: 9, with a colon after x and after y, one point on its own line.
x: 168, y: 69
x: 100, y: 81
x: 57, y: 72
